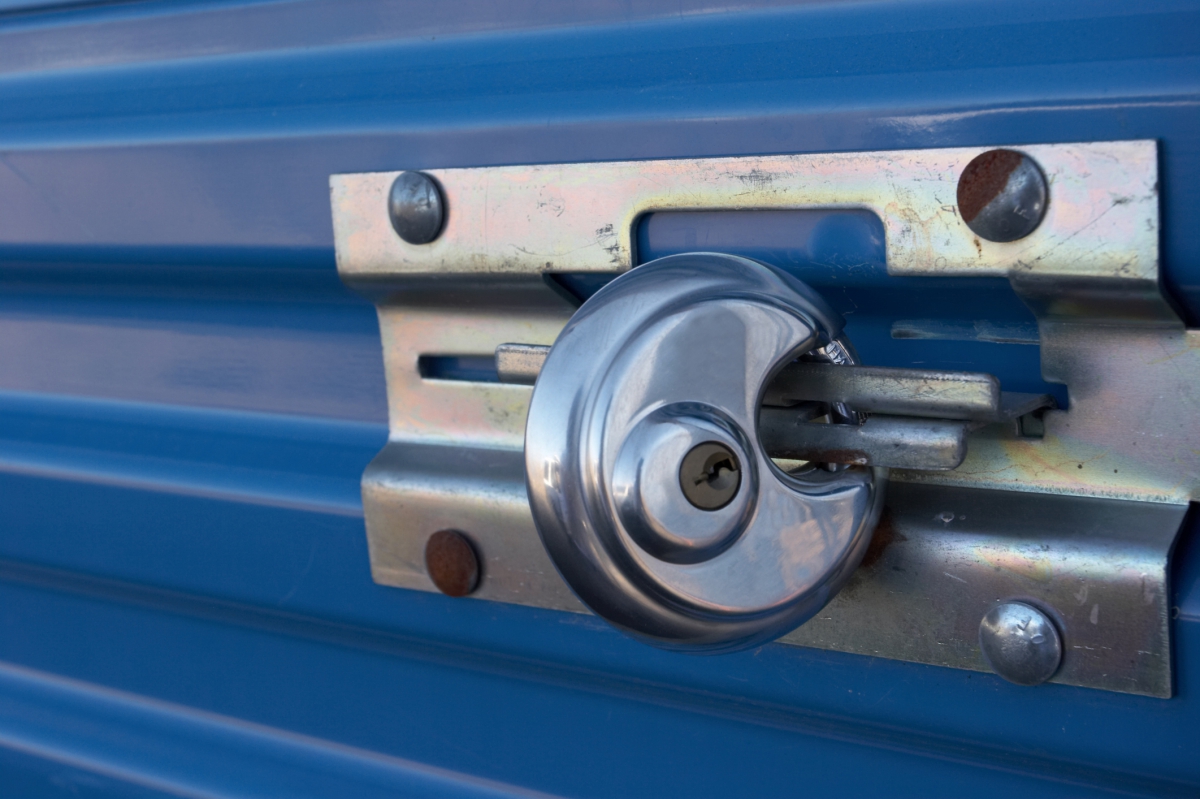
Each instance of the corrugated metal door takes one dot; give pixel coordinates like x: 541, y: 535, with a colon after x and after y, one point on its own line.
x: 188, y: 396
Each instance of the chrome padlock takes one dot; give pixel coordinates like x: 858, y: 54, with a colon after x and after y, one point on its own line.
x: 648, y: 481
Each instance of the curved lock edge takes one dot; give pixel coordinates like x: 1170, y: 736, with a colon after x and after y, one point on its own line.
x: 598, y: 573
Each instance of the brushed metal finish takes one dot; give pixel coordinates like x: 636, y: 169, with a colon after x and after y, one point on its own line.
x: 897, y: 392
x: 1101, y: 221
x: 1105, y: 489
x: 1089, y: 271
x: 888, y: 441
x: 1131, y: 429
x: 520, y: 363
x: 927, y: 393
x: 451, y: 321
x: 669, y: 356
x: 940, y: 558
x: 412, y: 490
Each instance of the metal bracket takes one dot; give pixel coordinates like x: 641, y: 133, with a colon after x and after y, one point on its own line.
x: 1101, y: 494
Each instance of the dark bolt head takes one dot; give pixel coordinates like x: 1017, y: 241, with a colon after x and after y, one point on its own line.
x: 710, y: 476
x: 1002, y: 195
x: 452, y: 563
x: 416, y: 208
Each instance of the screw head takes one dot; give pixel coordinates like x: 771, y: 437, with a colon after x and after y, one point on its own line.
x: 1020, y: 643
x: 710, y: 475
x: 451, y: 563
x: 1002, y: 195
x: 416, y: 208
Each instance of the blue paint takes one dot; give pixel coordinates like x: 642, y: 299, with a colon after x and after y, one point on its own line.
x: 474, y: 368
x: 842, y: 255
x: 271, y: 616
x: 237, y: 330
x: 235, y: 150
x: 188, y: 395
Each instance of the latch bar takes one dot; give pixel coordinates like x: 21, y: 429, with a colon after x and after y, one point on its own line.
x: 920, y: 422
x: 520, y: 363
x: 894, y: 441
x: 896, y: 392
x: 925, y: 393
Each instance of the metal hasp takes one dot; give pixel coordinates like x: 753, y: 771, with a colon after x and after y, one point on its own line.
x: 1078, y: 523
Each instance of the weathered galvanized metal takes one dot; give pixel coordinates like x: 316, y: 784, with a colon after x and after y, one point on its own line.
x: 454, y: 455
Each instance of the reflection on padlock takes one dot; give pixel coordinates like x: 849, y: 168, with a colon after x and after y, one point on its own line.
x: 649, y: 484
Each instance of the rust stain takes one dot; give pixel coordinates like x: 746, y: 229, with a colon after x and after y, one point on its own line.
x: 451, y: 563
x: 886, y: 534
x: 983, y: 179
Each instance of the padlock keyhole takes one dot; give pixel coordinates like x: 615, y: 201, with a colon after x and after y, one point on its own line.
x: 718, y: 472
x: 709, y: 476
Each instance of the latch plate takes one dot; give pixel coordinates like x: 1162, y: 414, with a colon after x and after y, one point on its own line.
x: 1110, y: 478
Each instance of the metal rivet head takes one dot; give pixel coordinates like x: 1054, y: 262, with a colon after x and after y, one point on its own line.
x: 452, y: 563
x: 710, y: 476
x: 416, y: 208
x: 1020, y: 643
x: 1002, y: 195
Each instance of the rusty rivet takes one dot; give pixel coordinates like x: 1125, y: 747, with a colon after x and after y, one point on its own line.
x: 451, y: 563
x: 1002, y: 195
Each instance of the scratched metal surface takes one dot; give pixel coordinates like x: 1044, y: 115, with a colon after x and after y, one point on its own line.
x: 583, y: 217
x: 188, y: 395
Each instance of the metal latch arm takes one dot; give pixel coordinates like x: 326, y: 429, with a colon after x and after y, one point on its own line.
x: 920, y: 418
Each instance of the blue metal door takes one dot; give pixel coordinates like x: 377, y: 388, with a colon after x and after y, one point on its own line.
x: 189, y: 395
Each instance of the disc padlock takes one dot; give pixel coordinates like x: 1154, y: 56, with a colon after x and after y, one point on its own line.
x: 649, y: 485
